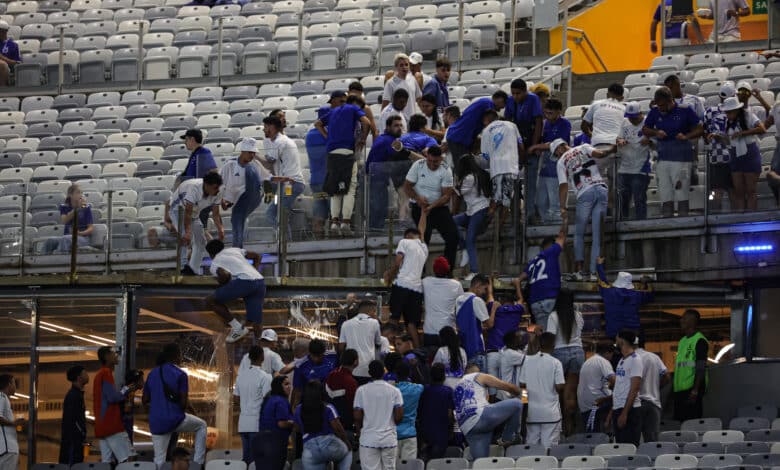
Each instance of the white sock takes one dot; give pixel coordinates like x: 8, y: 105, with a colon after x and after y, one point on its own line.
x: 235, y: 324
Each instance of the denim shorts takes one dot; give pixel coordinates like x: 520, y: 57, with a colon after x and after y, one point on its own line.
x: 572, y: 358
x: 253, y: 293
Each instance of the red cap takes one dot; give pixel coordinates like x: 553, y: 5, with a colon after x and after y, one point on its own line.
x: 441, y: 267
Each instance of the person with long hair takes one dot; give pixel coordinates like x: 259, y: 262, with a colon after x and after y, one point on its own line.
x: 74, y: 200
x: 625, y: 415
x: 435, y: 126
x: 566, y: 324
x: 324, y: 439
x: 451, y: 356
x: 742, y: 127
x: 473, y: 186
x: 276, y: 422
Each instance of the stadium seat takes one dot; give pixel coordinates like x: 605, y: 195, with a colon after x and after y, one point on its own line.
x: 764, y: 435
x: 561, y: 451
x: 437, y: 464
x: 721, y: 460
x: 723, y: 436
x: 702, y: 425
x: 136, y: 465
x: 676, y: 461
x: 605, y: 450
x: 589, y: 438
x: 225, y: 465
x: 630, y: 461
x: 702, y: 448
x: 654, y: 449
x: 584, y: 462
x: 414, y: 464
x: 764, y: 460
x: 746, y: 424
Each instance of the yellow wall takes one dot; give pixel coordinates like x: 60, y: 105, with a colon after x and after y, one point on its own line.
x: 621, y: 35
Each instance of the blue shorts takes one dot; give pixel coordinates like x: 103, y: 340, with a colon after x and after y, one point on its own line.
x: 749, y: 163
x: 253, y: 293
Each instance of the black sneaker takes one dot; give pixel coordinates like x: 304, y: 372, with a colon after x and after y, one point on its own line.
x: 187, y: 271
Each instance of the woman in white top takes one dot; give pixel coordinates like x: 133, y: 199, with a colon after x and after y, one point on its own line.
x: 566, y: 324
x: 742, y: 127
x: 451, y: 355
x: 473, y: 185
x: 478, y: 418
x: 625, y: 414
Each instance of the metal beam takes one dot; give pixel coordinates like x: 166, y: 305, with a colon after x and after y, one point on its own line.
x: 176, y: 321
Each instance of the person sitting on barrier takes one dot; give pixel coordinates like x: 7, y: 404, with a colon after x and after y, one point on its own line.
x: 238, y: 279
x: 74, y: 200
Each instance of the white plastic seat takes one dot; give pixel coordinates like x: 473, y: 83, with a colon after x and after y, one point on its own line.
x: 493, y: 463
x: 723, y: 436
x: 448, y: 464
x: 119, y: 170
x: 719, y: 460
x: 614, y: 449
x: 192, y: 61
x: 172, y: 95
x: 492, y: 26
x: 676, y: 461
x: 704, y: 61
x: 211, y: 121
x: 584, y: 462
x: 702, y: 425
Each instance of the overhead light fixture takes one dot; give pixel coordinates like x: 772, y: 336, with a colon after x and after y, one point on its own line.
x: 754, y: 249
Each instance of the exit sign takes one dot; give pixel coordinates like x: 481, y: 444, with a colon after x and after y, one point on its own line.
x: 760, y: 7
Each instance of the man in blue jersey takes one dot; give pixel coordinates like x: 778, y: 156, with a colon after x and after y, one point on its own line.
x: 471, y: 317
x: 621, y: 301
x: 544, y: 276
x: 676, y: 29
x: 315, y: 366
x: 415, y: 140
x: 555, y: 127
x: 9, y: 54
x: 463, y: 133
x: 318, y: 157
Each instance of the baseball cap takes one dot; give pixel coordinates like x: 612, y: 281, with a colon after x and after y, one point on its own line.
x: 195, y: 134
x: 4, y: 26
x: 727, y: 90
x: 555, y: 144
x: 744, y: 84
x: 337, y: 94
x: 441, y: 267
x: 633, y: 109
x: 415, y: 58
x: 269, y: 335
x: 248, y: 144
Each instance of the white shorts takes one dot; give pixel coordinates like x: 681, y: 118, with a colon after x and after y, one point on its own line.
x: 116, y: 446
x: 372, y: 458
x: 668, y: 174
x: 407, y: 449
x: 546, y: 434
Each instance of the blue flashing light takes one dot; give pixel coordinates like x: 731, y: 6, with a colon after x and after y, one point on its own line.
x: 754, y: 249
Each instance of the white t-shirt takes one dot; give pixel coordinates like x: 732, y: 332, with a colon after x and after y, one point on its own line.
x: 272, y: 362
x: 415, y: 253
x: 577, y: 168
x: 499, y: 147
x: 479, y: 305
x: 633, y: 155
x: 653, y: 369
x: 475, y: 200
x: 411, y: 86
x: 190, y: 192
x: 233, y: 261
x: 606, y: 116
x: 234, y: 178
x: 775, y: 113
x: 728, y: 26
x: 540, y: 374
x: 440, y: 295
x: 594, y: 381
x: 429, y: 183
x: 510, y: 364
x: 252, y: 385
x: 442, y: 356
x: 283, y: 152
x: 576, y: 330
x: 384, y: 346
x: 627, y: 368
x: 378, y: 400
x: 361, y: 333
x: 388, y: 111
x: 470, y: 401
x: 693, y: 102
x: 8, y: 443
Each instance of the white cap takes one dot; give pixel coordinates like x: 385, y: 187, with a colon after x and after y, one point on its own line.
x: 248, y: 144
x: 555, y: 144
x: 623, y: 281
x: 727, y: 90
x: 744, y: 84
x: 269, y: 335
x: 633, y: 109
x: 415, y: 58
x: 731, y: 104
x: 4, y: 25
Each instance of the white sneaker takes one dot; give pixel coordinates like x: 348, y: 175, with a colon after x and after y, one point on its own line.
x: 334, y: 229
x: 464, y: 258
x: 236, y: 335
x: 345, y: 229
x: 469, y: 277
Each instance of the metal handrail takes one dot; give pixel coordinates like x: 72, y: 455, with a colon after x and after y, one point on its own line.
x: 584, y: 36
x: 554, y: 60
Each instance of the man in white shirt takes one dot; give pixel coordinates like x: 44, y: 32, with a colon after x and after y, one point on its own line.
x: 272, y: 361
x: 511, y: 360
x: 238, y: 279
x: 281, y: 154
x: 361, y: 332
x: 252, y: 385
x: 191, y: 198
x: 634, y: 170
x: 406, y: 293
x: 542, y: 377
x: 9, y: 446
x: 429, y: 185
x: 439, y: 293
x: 654, y: 376
x: 242, y: 181
x: 378, y: 408
x: 400, y: 98
x: 728, y: 12
x: 501, y: 146
x: 593, y: 390
x: 577, y: 166
x: 403, y: 79
x: 603, y: 120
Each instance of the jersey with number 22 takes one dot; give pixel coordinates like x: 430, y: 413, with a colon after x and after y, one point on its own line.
x: 544, y: 274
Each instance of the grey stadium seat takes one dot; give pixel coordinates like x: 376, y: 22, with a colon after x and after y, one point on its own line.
x: 678, y: 436
x: 630, y: 461
x: 124, y: 235
x: 719, y: 460
x: 702, y: 425
x: 746, y: 424
x: 74, y: 114
x: 702, y: 448
x: 654, y: 449
x: 42, y: 129
x: 142, y: 111
x: 763, y: 435
x: 31, y: 71
x: 236, y: 93
x: 748, y: 447
x: 92, y: 142
x: 561, y: 451
x: 765, y: 460
x: 259, y: 57
x: 447, y: 464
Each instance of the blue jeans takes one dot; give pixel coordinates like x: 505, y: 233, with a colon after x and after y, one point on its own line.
x: 633, y: 186
x: 320, y: 205
x: 591, y: 205
x: 475, y: 224
x: 246, y: 446
x: 246, y: 204
x: 542, y: 310
x: 62, y: 244
x: 287, y: 203
x: 321, y: 450
x: 548, y: 202
x: 506, y: 413
x: 572, y: 358
x: 531, y: 176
